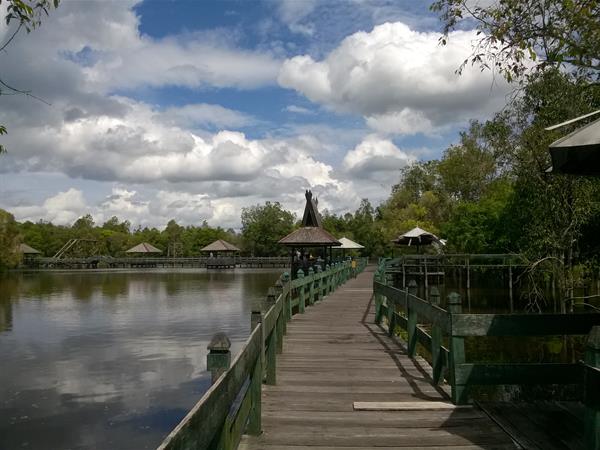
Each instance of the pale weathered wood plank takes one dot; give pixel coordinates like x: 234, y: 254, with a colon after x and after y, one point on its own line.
x: 406, y: 406
x: 333, y: 356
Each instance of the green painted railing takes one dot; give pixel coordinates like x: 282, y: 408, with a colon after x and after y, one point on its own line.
x: 402, y: 308
x: 232, y: 406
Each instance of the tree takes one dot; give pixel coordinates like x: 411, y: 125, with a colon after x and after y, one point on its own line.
x: 9, y: 241
x: 27, y: 14
x: 467, y: 168
x: 519, y: 34
x: 263, y: 226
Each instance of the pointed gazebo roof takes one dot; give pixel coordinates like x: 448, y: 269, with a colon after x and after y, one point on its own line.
x: 312, y: 233
x: 27, y: 250
x: 144, y: 247
x: 417, y: 236
x: 348, y: 244
x: 220, y: 246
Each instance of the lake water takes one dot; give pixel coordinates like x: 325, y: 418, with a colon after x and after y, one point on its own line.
x: 112, y: 359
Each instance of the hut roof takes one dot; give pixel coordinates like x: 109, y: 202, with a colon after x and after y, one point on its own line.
x: 27, y: 250
x: 417, y: 236
x: 220, y: 246
x: 311, y: 217
x: 144, y: 247
x: 348, y: 244
x: 578, y: 153
x: 310, y: 236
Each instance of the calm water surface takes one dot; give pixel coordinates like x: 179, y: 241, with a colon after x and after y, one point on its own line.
x: 112, y: 360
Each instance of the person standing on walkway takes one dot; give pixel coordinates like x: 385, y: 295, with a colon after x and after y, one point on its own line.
x: 353, y: 267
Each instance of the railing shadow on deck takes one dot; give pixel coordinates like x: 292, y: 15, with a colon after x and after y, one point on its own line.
x: 232, y: 406
x: 404, y: 310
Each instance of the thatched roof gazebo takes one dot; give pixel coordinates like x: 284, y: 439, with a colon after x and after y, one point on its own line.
x: 144, y: 247
x: 310, y: 236
x: 220, y: 246
x: 348, y: 244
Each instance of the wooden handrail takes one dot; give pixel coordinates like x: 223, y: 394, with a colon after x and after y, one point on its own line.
x: 219, y: 419
x: 390, y: 302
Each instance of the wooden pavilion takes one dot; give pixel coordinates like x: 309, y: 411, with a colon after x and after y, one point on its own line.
x: 310, y: 245
x: 225, y: 255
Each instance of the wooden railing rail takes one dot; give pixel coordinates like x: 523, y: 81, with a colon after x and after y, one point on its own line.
x: 403, y: 309
x: 232, y: 406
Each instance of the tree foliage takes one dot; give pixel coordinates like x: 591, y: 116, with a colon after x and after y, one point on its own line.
x: 9, y: 241
x: 263, y: 226
x: 517, y: 35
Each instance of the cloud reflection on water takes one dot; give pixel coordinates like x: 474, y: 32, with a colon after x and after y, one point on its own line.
x: 112, y: 359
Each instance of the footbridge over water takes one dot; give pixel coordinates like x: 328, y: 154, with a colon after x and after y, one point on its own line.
x: 332, y: 363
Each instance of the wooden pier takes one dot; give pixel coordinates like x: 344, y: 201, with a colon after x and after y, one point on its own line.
x: 341, y: 378
x: 335, y: 357
x: 108, y: 262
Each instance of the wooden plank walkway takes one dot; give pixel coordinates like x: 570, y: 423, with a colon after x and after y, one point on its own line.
x: 334, y: 355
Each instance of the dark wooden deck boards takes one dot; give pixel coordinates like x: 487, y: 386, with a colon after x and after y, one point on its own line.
x: 333, y: 356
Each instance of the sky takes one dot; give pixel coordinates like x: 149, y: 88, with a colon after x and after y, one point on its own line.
x: 191, y: 110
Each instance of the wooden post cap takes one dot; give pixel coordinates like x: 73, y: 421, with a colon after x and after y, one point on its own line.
x: 310, y: 271
x: 319, y: 269
x: 219, y: 343
x: 300, y: 273
x: 285, y: 277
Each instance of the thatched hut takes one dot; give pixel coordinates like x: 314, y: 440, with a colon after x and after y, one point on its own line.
x: 310, y: 244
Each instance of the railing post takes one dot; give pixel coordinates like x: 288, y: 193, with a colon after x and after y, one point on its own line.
x: 457, y: 352
x: 301, y: 293
x: 436, y: 339
x: 287, y: 306
x: 412, y: 319
x: 391, y: 309
x: 254, y: 420
x: 378, y: 298
x: 255, y: 417
x: 319, y: 284
x: 271, y: 358
x: 311, y: 286
x: 219, y: 356
x: 327, y: 279
x: 282, y: 318
x: 591, y: 389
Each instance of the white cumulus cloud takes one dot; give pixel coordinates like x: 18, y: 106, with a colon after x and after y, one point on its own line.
x: 401, y: 81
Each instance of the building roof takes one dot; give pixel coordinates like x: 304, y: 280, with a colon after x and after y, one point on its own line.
x: 311, y: 217
x: 310, y: 236
x: 348, y: 244
x: 578, y: 153
x: 27, y: 250
x: 144, y: 247
x: 220, y: 246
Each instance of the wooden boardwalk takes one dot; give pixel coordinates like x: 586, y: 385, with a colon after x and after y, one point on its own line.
x: 334, y: 355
